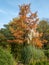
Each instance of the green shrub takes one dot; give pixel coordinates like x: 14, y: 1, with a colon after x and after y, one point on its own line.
x: 46, y: 53
x: 42, y: 63
x: 31, y: 54
x: 5, y: 58
x: 16, y: 51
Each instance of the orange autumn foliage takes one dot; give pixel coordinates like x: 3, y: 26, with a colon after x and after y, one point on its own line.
x: 37, y: 42
x: 21, y: 27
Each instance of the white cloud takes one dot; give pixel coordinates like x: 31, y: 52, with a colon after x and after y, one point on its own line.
x: 8, y: 12
x: 2, y: 11
x: 13, y: 3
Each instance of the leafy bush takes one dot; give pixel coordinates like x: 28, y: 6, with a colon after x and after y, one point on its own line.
x: 46, y: 53
x: 16, y: 51
x: 42, y: 63
x: 31, y: 54
x: 5, y: 58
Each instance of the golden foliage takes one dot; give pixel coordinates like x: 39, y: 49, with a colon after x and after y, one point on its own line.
x: 21, y: 27
x: 38, y: 42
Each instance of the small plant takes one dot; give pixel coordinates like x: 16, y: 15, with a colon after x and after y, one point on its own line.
x: 46, y: 53
x: 5, y: 58
x: 31, y: 54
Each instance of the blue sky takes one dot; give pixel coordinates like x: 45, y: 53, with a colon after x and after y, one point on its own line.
x: 9, y: 9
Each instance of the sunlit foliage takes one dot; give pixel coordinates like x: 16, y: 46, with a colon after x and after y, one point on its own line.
x: 24, y: 27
